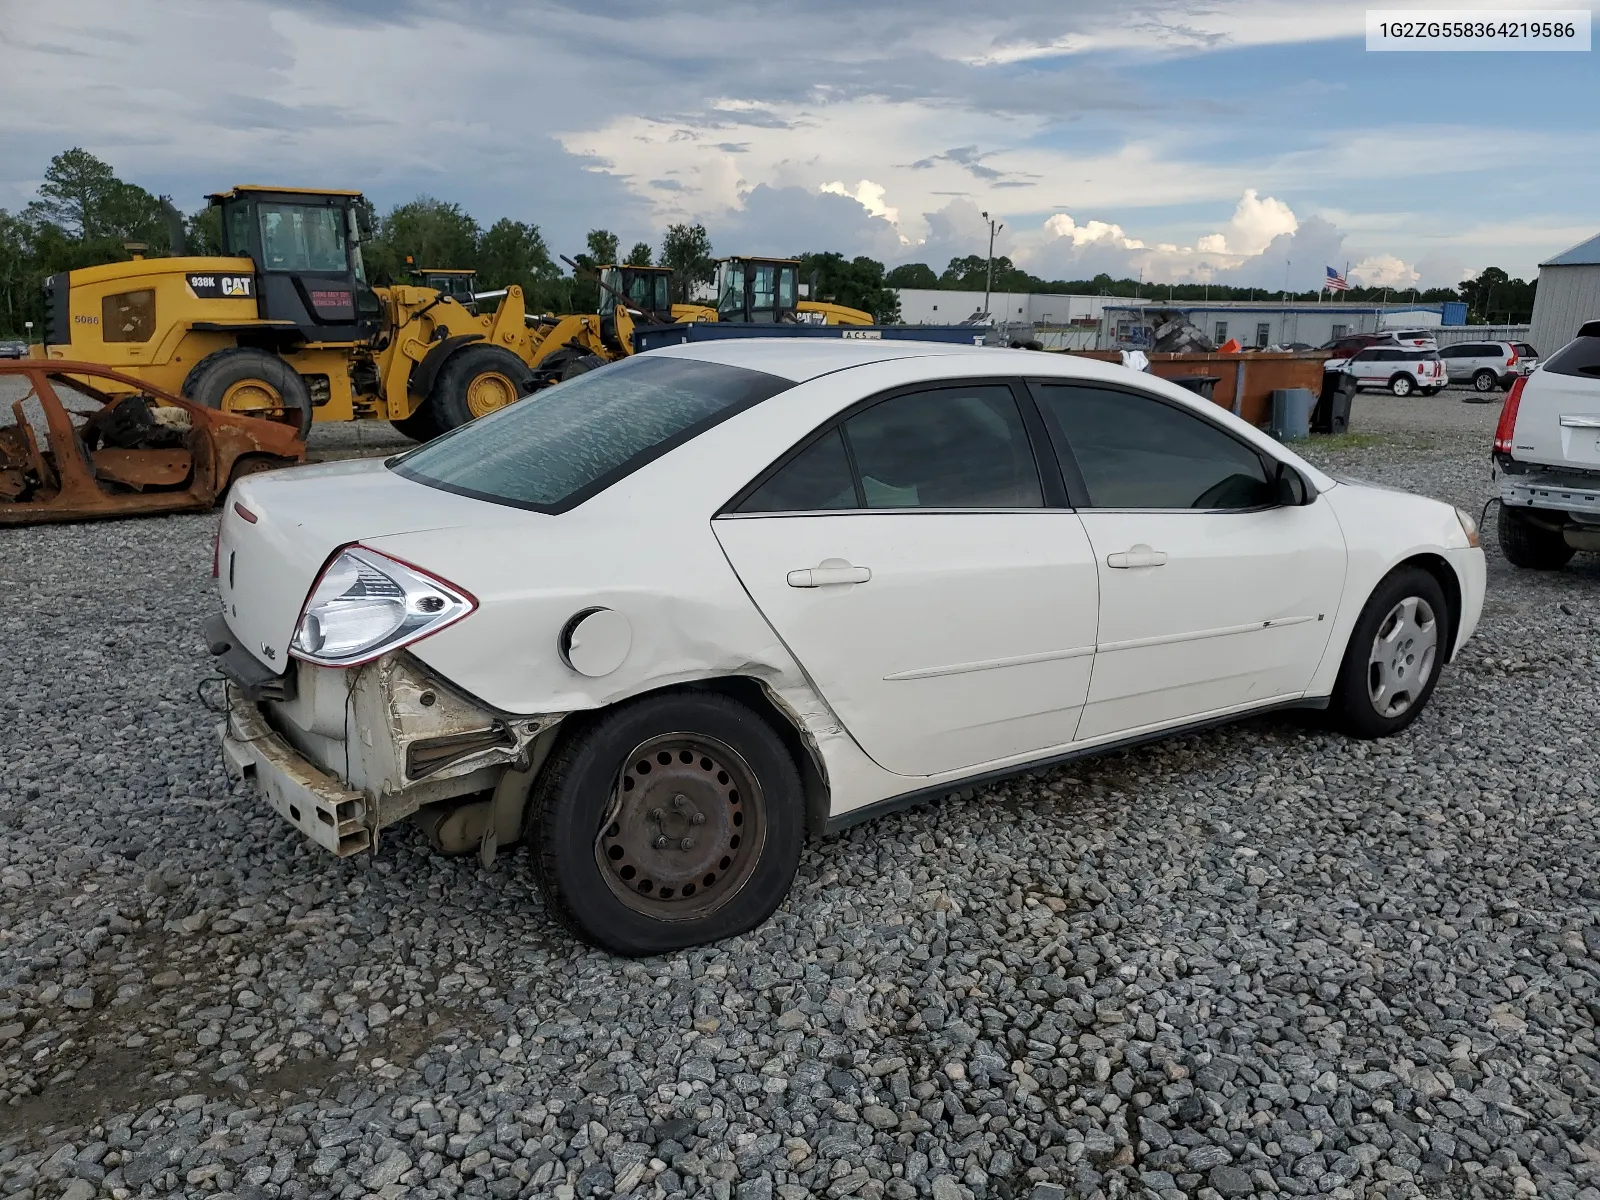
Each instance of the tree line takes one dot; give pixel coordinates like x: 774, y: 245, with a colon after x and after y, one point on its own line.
x: 84, y: 215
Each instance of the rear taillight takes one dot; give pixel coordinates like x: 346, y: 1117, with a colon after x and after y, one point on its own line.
x: 216, y: 553
x: 1508, y: 416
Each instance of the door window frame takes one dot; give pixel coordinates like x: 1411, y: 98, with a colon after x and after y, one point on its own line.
x: 1078, y: 489
x: 1054, y: 488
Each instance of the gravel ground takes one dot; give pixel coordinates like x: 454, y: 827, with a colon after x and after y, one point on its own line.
x: 1259, y: 960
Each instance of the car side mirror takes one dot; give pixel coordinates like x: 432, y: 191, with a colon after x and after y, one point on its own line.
x: 1290, y: 489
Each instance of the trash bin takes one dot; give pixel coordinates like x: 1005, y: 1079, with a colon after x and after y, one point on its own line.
x: 1332, y: 414
x: 1291, y: 413
x: 1204, y: 386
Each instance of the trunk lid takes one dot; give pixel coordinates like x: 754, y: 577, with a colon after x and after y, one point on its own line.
x: 1558, y: 420
x: 279, y: 528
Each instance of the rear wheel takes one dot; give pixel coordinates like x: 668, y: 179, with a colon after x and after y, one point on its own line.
x: 1485, y: 381
x: 1402, y: 385
x: 668, y: 822
x: 477, y: 380
x: 1531, y: 546
x: 1393, y: 659
x: 251, y: 383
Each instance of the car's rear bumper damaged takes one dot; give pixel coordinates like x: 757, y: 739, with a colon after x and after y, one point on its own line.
x: 420, y: 746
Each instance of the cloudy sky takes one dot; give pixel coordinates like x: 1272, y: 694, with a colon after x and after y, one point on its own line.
x: 1245, y: 141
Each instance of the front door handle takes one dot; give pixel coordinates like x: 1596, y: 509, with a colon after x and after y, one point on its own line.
x: 1137, y: 556
x: 829, y: 573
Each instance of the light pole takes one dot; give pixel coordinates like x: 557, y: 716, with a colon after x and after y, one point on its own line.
x: 988, y: 286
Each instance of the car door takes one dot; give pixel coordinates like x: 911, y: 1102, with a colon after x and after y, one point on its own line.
x: 1213, y: 595
x: 1365, y: 366
x: 928, y: 578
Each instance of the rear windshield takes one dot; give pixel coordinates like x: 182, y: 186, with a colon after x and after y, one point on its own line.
x: 556, y: 448
x: 1581, y: 356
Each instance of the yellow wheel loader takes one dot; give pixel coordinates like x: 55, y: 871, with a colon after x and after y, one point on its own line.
x: 285, y: 326
x: 767, y: 291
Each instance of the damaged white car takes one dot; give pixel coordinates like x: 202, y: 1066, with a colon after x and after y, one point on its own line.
x: 668, y: 618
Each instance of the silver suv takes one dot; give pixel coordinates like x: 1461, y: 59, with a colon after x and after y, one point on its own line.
x: 1547, y: 451
x: 1489, y: 365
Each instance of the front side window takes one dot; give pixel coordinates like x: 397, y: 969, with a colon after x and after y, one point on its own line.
x: 788, y: 285
x: 236, y: 228
x: 302, y: 237
x: 128, y: 316
x: 556, y: 448
x: 1138, y: 452
x: 765, y: 291
x: 730, y: 301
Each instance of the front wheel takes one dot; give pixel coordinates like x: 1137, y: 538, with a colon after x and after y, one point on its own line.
x: 669, y: 821
x: 1392, y: 661
x: 477, y: 380
x: 1401, y: 385
x: 1531, y: 546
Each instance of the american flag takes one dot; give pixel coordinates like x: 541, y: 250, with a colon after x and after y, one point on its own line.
x: 1336, y: 282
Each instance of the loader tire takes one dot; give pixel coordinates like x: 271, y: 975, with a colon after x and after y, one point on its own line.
x: 475, y: 382
x: 581, y: 365
x: 420, y: 426
x: 251, y: 383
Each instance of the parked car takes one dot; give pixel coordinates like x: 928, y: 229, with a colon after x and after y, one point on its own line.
x: 1352, y: 343
x: 1416, y: 339
x: 13, y: 349
x: 1402, y: 371
x: 1488, y: 365
x: 1547, y: 451
x: 670, y: 616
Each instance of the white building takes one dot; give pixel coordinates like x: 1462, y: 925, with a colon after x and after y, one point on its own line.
x: 1568, y: 295
x: 1262, y: 323
x: 935, y: 306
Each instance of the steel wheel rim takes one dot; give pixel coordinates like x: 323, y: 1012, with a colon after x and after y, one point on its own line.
x: 685, y: 827
x: 1403, y: 656
x: 489, y: 391
x: 253, y: 398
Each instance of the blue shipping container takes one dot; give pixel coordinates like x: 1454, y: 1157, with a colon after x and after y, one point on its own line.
x: 1453, y: 312
x: 653, y: 337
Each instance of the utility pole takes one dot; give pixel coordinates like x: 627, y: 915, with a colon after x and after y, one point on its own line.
x: 988, y: 286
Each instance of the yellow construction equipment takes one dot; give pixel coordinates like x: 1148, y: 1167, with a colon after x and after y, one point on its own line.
x: 767, y: 291
x: 284, y: 325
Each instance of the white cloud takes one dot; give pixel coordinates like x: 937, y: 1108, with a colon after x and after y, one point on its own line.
x: 1383, y: 270
x: 867, y: 194
x: 1256, y: 221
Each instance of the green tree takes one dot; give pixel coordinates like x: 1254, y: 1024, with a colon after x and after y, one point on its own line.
x: 686, y: 252
x: 855, y: 283
x: 639, y: 256
x: 203, y: 231
x: 602, y: 245
x: 432, y: 233
x: 514, y: 252
x: 912, y: 275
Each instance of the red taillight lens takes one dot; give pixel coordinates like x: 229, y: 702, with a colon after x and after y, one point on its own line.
x: 216, y: 553
x: 1512, y: 361
x: 1508, y: 416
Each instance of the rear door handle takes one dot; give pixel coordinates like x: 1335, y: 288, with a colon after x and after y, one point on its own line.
x: 1137, y: 556
x: 829, y: 574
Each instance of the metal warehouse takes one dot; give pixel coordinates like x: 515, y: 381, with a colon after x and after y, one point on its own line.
x: 1258, y: 323
x: 1568, y: 295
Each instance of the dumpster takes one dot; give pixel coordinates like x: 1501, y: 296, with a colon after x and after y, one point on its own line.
x: 1291, y: 413
x: 1204, y: 386
x: 1245, y: 381
x: 1332, y: 414
x: 653, y: 337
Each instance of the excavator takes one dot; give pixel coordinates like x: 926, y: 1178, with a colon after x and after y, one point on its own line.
x: 284, y: 325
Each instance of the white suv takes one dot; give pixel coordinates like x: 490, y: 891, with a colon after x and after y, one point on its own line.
x: 1488, y: 365
x: 1402, y: 370
x: 1547, y: 450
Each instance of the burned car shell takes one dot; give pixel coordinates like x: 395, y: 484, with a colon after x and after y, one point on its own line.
x: 121, y: 460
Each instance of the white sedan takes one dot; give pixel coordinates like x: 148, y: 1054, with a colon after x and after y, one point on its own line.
x: 670, y: 617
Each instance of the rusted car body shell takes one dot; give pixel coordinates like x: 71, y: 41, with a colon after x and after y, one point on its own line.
x: 66, y: 480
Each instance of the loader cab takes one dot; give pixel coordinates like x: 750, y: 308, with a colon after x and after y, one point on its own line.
x: 648, y: 289
x: 306, y: 246
x: 458, y: 284
x: 763, y: 291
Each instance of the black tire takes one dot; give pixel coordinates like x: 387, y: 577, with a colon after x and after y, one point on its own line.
x: 241, y: 370
x: 452, y: 397
x: 1429, y: 391
x: 580, y: 366
x: 1354, y: 707
x: 596, y: 875
x: 420, y: 426
x: 1485, y: 381
x: 1402, y: 385
x: 1531, y: 546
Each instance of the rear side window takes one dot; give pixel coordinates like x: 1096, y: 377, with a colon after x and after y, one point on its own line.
x: 816, y: 479
x: 1142, y: 453
x: 555, y: 449
x: 1526, y: 351
x: 1580, y: 356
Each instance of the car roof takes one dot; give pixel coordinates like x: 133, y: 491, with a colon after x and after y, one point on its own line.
x: 803, y: 358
